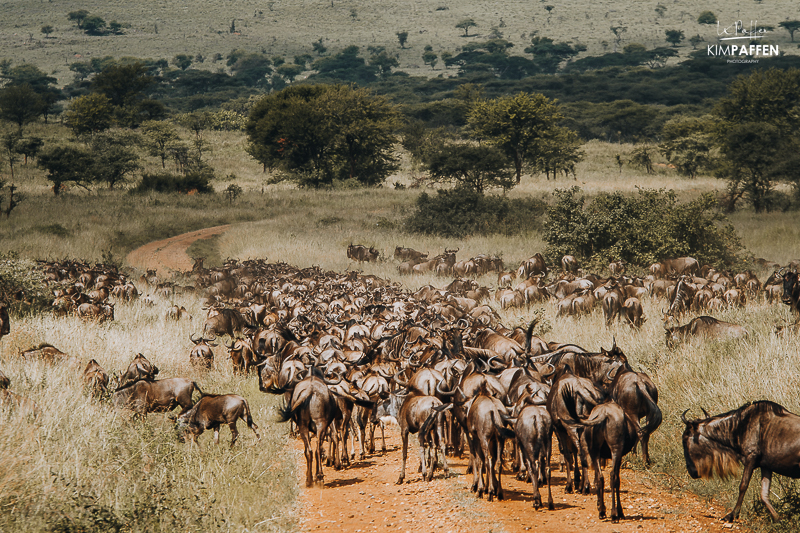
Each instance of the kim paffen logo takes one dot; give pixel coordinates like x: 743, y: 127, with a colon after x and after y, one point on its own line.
x: 742, y: 53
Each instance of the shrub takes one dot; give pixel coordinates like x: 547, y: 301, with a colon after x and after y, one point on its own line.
x: 22, y: 285
x: 193, y: 181
x: 640, y: 230
x: 462, y: 212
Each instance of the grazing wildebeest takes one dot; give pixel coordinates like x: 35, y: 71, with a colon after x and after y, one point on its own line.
x: 95, y: 379
x: 202, y: 355
x: 634, y: 314
x: 212, y: 410
x: 703, y: 326
x: 416, y: 414
x: 140, y: 368
x: 609, y: 433
x: 144, y: 396
x: 759, y: 435
x: 360, y: 253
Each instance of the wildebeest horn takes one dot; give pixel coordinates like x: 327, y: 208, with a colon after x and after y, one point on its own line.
x: 191, y: 338
x: 705, y: 413
x: 683, y: 417
x: 398, y: 380
x: 614, y: 338
x: 495, y: 365
x: 332, y: 382
x: 228, y: 346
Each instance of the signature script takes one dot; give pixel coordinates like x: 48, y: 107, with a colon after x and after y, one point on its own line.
x: 738, y: 31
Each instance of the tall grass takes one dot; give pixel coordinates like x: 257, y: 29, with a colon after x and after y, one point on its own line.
x: 85, y: 466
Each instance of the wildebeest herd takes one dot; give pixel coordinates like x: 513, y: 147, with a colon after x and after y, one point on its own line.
x: 347, y: 350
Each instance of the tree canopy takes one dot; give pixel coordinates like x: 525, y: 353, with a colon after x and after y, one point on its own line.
x: 321, y: 133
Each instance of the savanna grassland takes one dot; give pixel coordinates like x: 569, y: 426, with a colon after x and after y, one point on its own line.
x: 280, y: 28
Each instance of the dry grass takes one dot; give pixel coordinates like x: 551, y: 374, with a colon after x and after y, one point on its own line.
x: 82, y: 460
x: 289, y: 28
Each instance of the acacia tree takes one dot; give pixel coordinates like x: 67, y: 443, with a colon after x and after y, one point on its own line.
x: 687, y: 143
x: 517, y: 125
x: 65, y: 164
x: 113, y: 159
x: 465, y: 25
x: 20, y: 104
x: 158, y: 136
x: 402, y: 37
x: 475, y: 167
x: 318, y: 134
x: 791, y: 26
x: 674, y: 37
x: 756, y: 125
x: 90, y: 113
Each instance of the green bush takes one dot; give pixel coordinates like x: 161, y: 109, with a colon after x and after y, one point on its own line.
x: 641, y: 230
x: 193, y: 181
x: 462, y: 212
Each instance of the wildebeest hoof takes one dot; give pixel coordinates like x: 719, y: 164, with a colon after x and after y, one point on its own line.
x: 602, y: 514
x: 728, y: 517
x: 551, y: 506
x: 399, y: 481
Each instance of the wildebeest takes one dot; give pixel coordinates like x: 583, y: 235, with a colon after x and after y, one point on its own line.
x: 534, y: 431
x: 703, y: 326
x: 224, y: 321
x: 634, y: 314
x: 212, y: 410
x: 242, y: 356
x: 761, y: 434
x: 532, y: 266
x: 362, y: 254
x: 45, y: 352
x: 408, y: 254
x: 140, y: 368
x: 202, y: 355
x: 5, y: 325
x: 609, y: 433
x: 636, y: 393
x: 680, y: 266
x: 99, y: 312
x: 95, y: 379
x: 177, y: 312
x: 791, y: 291
x: 487, y: 441
x: 144, y: 396
x: 416, y: 414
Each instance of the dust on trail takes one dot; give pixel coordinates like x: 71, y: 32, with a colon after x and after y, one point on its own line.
x: 169, y: 255
x: 365, y: 498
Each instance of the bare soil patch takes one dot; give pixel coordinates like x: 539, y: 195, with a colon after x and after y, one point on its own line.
x: 364, y: 497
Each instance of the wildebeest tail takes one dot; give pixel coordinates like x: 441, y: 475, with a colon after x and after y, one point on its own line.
x: 654, y: 415
x: 248, y: 416
x: 437, y: 411
x: 284, y: 412
x: 501, y: 429
x: 197, y: 387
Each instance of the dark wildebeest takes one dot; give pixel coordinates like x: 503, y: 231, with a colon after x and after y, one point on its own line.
x: 416, y: 414
x: 212, y: 410
x: 609, y: 433
x: 95, y: 379
x: 362, y: 254
x: 313, y: 409
x: 791, y: 291
x: 241, y: 355
x: 759, y: 435
x: 569, y: 264
x: 144, y: 396
x: 703, y: 326
x: 140, y: 368
x: 634, y: 314
x: 637, y: 394
x: 532, y: 266
x: 5, y: 325
x: 487, y: 437
x: 534, y: 431
x: 202, y: 355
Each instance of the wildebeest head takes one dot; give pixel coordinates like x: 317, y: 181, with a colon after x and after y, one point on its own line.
x: 140, y: 368
x: 703, y: 453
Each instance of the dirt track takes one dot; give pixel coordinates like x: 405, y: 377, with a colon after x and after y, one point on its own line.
x: 364, y: 497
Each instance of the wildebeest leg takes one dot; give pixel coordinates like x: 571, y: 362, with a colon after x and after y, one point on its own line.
x: 383, y: 437
x: 532, y: 468
x: 234, y: 432
x: 499, y: 490
x: 423, y: 452
x: 749, y: 466
x: 440, y: 431
x: 548, y: 453
x: 601, y: 484
x: 309, y: 453
x: 616, y: 503
x: 322, y: 429
x: 766, y: 480
x: 404, y: 436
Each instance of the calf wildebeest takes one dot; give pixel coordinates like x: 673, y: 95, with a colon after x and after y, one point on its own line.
x: 609, y: 433
x: 5, y: 325
x: 362, y: 254
x: 212, y: 410
x: 95, y: 379
x: 144, y: 397
x: 202, y: 355
x: 140, y: 368
x: 702, y: 326
x: 759, y: 435
x: 416, y: 414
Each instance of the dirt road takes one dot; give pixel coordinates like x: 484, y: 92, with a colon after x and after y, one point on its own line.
x: 364, y: 497
x: 169, y: 255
